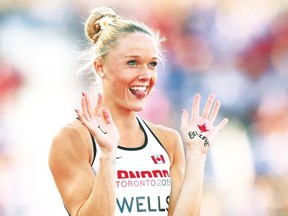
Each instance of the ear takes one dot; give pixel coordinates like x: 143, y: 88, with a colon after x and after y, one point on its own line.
x: 98, y: 66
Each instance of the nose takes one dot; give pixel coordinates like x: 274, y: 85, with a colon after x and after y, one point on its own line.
x: 145, y: 74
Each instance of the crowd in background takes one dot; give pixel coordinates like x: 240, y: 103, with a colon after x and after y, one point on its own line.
x: 236, y: 49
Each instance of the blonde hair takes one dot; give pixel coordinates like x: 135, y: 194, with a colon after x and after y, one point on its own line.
x: 104, y: 38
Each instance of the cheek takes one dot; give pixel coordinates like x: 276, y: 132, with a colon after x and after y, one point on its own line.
x: 154, y: 79
x: 117, y: 84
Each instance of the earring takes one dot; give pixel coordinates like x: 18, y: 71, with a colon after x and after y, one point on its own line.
x: 101, y: 75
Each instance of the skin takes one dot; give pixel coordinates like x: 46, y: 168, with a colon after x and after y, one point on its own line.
x: 128, y: 65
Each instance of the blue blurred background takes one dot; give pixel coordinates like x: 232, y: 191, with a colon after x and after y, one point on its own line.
x: 236, y: 49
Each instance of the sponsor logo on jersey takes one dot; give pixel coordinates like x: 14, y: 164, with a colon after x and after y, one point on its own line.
x: 124, y: 174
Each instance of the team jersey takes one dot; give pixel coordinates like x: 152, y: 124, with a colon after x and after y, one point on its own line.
x: 143, y: 182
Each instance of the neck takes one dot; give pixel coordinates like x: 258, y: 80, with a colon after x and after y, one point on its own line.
x: 129, y: 130
x: 131, y: 134
x: 123, y: 118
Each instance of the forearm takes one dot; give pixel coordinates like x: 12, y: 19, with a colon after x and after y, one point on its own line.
x: 190, y: 198
x: 102, y: 198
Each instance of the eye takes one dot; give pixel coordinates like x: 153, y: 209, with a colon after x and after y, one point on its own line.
x: 153, y: 64
x: 132, y: 63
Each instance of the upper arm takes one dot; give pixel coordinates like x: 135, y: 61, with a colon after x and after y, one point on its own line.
x: 177, y: 169
x: 69, y: 163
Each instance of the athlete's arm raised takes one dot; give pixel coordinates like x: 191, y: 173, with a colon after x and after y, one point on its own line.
x: 198, y: 134
x: 70, y: 159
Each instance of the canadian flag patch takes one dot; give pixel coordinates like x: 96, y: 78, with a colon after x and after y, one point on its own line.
x: 158, y: 159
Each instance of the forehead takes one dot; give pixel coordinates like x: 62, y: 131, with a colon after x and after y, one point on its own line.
x: 137, y: 44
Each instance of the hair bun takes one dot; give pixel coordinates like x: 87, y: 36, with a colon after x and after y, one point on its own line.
x: 92, y: 26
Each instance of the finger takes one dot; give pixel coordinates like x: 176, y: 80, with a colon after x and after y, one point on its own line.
x: 98, y: 108
x: 88, y: 105
x: 107, y: 116
x: 195, y: 107
x: 82, y: 119
x: 214, y: 112
x: 185, y: 118
x: 208, y: 106
x: 84, y: 111
x: 222, y: 124
x: 78, y: 113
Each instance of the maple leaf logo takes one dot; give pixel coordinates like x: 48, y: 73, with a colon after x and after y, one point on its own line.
x: 158, y: 159
x: 202, y: 128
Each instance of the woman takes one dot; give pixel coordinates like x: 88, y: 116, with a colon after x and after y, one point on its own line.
x: 137, y: 167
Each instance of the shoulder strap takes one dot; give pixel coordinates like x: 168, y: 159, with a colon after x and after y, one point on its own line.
x: 94, y: 148
x: 149, y: 129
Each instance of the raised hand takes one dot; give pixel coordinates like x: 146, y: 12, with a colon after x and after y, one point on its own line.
x: 99, y: 123
x: 198, y: 131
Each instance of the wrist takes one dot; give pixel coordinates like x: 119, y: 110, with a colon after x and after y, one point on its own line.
x: 195, y: 151
x: 195, y: 159
x: 108, y: 155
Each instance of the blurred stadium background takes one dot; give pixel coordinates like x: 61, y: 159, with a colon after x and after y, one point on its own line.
x: 237, y: 49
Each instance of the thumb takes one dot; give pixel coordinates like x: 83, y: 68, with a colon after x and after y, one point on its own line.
x: 107, y: 115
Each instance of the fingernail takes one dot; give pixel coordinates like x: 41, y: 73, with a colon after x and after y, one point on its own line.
x: 83, y: 93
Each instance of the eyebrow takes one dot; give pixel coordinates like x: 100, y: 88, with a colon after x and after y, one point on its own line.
x: 137, y: 56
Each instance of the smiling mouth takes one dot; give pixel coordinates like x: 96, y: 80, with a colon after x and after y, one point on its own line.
x: 139, y: 91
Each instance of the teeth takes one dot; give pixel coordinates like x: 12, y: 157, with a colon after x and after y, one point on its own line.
x: 139, y: 88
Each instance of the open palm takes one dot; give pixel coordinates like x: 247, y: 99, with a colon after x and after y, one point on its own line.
x: 99, y: 123
x: 198, y: 131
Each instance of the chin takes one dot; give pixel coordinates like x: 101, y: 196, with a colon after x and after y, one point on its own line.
x: 139, y: 108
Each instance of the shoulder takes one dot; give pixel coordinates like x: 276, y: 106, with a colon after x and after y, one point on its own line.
x: 163, y: 132
x: 169, y: 138
x: 72, y: 141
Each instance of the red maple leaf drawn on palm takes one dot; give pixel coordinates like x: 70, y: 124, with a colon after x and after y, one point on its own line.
x: 202, y: 128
